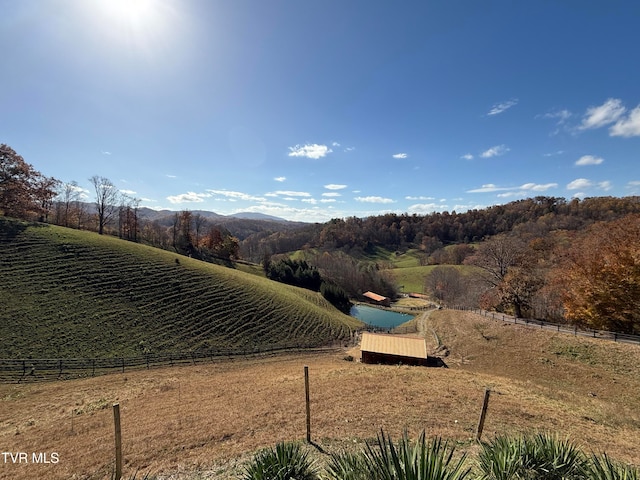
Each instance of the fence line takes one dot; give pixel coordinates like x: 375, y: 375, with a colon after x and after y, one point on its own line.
x: 43, y: 369
x: 563, y: 328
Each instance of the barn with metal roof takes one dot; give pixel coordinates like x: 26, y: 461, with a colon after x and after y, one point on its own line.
x: 395, y: 349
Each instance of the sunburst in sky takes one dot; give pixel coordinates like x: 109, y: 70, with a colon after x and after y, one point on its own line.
x: 320, y: 109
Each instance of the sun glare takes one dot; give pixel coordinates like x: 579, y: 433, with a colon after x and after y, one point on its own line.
x: 142, y: 26
x: 131, y: 11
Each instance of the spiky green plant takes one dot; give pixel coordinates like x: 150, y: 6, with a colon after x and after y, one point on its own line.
x: 541, y: 456
x: 421, y: 460
x: 603, y: 468
x: 287, y: 461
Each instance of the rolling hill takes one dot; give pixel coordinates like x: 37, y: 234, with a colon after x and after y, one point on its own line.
x: 68, y: 293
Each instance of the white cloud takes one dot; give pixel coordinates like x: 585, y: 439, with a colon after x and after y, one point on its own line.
x: 373, y: 199
x: 231, y: 195
x: 606, y: 185
x: 418, y: 198
x: 423, y: 208
x: 334, y: 186
x: 289, y: 193
x: 501, y: 107
x: 495, y: 151
x: 349, y: 149
x: 128, y: 192
x: 328, y: 200
x: 609, y: 112
x: 280, y: 179
x: 400, y: 155
x: 627, y: 127
x: 561, y: 116
x: 170, y: 176
x: 335, y: 144
x: 189, y: 197
x: 588, y: 160
x: 105, y: 153
x: 311, y: 201
x: 314, y: 151
x: 520, y: 190
x: 331, y: 194
x: 552, y: 154
x: 583, y: 183
x: 467, y: 156
x: 579, y: 183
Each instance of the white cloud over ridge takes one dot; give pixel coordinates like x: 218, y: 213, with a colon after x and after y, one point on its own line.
x: 231, y: 195
x: 527, y: 187
x: 498, y: 108
x: 495, y: 151
x: 583, y: 183
x: 374, y: 199
x: 189, y: 197
x: 288, y: 193
x: 313, y: 151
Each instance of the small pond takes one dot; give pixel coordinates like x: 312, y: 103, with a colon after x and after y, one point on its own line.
x: 378, y: 317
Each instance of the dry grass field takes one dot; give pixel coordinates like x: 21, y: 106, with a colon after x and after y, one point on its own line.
x: 204, y: 421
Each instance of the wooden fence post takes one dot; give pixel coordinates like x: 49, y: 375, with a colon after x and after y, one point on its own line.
x: 306, y: 393
x: 483, y: 414
x: 118, y: 435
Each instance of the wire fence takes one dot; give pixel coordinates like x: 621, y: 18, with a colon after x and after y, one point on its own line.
x: 42, y: 369
x: 558, y: 327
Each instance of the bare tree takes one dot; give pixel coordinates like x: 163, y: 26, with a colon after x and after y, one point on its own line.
x: 68, y: 195
x: 128, y: 218
x: 107, y: 199
x: 446, y: 284
x: 503, y: 265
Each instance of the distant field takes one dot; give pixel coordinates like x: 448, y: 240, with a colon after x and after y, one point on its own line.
x: 68, y: 293
x: 202, y: 422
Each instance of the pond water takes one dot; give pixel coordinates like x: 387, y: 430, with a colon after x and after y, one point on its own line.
x: 378, y: 317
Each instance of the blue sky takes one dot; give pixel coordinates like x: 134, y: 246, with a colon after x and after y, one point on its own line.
x: 311, y: 110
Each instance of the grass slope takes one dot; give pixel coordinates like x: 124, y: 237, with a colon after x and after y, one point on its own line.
x: 67, y: 293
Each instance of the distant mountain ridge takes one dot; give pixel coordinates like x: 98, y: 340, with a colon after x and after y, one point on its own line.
x: 151, y: 214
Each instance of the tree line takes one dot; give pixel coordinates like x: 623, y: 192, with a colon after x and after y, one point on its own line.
x: 589, y: 277
x: 431, y: 233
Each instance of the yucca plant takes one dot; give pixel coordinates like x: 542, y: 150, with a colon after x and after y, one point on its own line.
x: 287, y: 461
x: 347, y: 466
x: 603, y: 468
x: 541, y: 456
x: 384, y: 460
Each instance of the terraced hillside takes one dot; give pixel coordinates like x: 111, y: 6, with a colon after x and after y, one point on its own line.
x: 67, y: 293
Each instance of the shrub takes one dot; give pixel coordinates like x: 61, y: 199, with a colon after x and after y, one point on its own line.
x: 421, y: 460
x: 603, y: 468
x: 286, y: 461
x: 541, y: 456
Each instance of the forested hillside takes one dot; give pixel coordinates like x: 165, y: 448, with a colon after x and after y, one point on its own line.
x: 433, y: 231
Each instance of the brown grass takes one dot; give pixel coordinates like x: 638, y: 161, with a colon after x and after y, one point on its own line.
x: 207, y: 419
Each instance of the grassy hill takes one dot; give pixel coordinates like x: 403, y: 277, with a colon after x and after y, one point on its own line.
x: 68, y: 293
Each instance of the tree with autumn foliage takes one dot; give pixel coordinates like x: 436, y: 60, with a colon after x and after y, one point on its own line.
x: 24, y: 192
x: 601, y: 275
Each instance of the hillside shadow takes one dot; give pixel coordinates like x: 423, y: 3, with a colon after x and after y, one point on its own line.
x: 10, y: 229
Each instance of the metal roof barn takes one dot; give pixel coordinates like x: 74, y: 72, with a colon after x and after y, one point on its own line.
x: 396, y: 349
